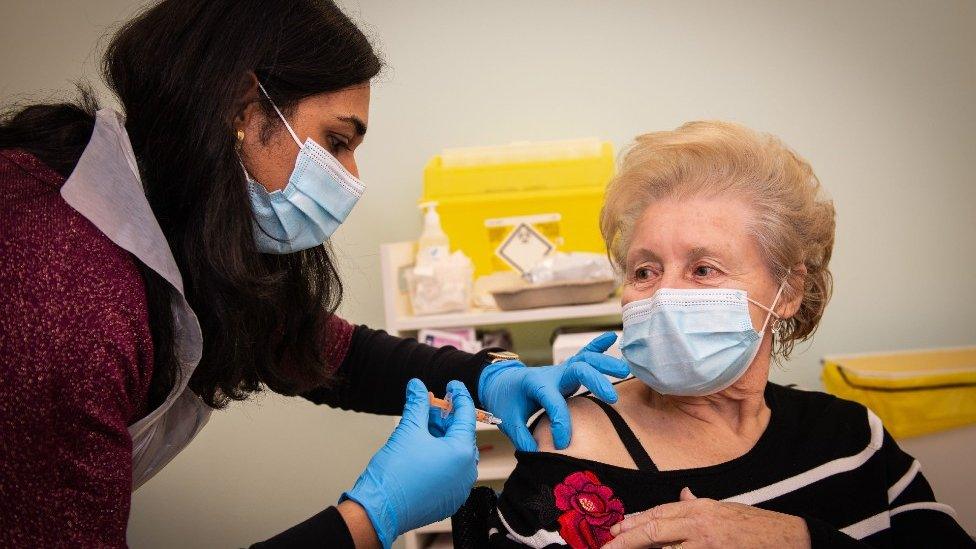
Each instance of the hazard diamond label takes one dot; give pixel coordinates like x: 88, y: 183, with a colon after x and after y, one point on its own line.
x: 524, y: 247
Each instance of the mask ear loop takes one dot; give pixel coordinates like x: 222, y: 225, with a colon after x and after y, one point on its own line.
x: 281, y: 116
x: 771, y: 311
x: 247, y: 174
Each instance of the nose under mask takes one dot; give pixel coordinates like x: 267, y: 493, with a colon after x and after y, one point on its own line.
x: 692, y: 342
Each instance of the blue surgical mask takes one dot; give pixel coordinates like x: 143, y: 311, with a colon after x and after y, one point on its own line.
x: 691, y: 342
x: 318, y: 197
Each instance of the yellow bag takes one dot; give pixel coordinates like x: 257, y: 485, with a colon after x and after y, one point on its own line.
x: 913, y: 392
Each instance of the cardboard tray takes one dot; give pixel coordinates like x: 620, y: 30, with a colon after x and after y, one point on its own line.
x: 554, y: 295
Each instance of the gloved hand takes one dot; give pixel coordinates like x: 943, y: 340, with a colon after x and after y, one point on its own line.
x: 417, y: 478
x: 514, y: 392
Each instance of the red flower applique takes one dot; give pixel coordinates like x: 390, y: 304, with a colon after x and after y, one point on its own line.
x: 589, y: 510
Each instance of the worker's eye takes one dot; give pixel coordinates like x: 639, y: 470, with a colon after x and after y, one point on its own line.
x: 338, y: 143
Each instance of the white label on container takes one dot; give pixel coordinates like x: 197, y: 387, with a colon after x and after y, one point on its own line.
x: 524, y: 247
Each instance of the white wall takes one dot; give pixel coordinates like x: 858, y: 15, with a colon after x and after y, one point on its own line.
x: 879, y: 96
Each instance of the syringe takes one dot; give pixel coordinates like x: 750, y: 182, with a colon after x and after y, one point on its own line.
x: 445, y: 406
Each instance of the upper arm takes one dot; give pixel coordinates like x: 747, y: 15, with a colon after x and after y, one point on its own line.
x: 582, y: 429
x: 95, y: 453
x: 66, y: 471
x: 542, y: 433
x: 75, y: 364
x: 593, y: 436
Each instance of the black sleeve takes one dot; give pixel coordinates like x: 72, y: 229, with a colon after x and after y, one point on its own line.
x: 916, y: 519
x: 326, y: 529
x: 825, y: 536
x: 373, y: 377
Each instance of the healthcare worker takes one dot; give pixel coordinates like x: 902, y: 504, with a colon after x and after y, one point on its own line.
x: 158, y: 264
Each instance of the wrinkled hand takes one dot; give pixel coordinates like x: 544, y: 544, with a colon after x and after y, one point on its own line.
x: 704, y: 523
x: 513, y: 392
x: 418, y: 478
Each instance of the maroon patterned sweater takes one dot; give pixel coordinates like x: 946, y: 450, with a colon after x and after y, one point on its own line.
x: 76, y: 359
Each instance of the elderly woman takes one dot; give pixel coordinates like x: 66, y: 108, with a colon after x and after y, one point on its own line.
x: 724, y: 242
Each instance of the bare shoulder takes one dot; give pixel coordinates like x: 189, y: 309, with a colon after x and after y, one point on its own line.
x: 593, y: 436
x: 585, y: 416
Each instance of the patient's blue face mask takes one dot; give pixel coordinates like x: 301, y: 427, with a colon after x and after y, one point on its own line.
x: 692, y: 342
x: 318, y: 197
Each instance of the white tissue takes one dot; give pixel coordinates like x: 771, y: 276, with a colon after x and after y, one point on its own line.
x: 570, y: 267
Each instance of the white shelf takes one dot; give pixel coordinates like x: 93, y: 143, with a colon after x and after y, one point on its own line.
x: 399, y: 318
x: 498, y: 462
x: 497, y: 467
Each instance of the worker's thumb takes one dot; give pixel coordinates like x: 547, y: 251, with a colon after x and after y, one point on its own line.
x: 417, y: 408
x: 686, y: 494
x: 462, y: 417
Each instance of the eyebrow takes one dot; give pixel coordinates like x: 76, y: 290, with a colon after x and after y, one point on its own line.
x: 693, y: 255
x: 697, y: 253
x: 356, y: 123
x: 646, y: 255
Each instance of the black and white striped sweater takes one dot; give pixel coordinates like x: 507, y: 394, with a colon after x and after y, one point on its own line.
x: 822, y: 458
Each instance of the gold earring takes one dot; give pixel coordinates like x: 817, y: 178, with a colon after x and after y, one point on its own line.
x: 240, y: 137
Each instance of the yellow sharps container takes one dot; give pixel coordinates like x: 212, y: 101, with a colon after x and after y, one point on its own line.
x: 506, y: 207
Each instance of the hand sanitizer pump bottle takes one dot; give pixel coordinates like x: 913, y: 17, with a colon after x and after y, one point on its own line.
x: 433, y: 244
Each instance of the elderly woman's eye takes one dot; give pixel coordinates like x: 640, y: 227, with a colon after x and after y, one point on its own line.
x: 642, y: 274
x: 703, y: 271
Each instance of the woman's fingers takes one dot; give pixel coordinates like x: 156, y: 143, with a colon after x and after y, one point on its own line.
x: 417, y: 409
x: 520, y: 436
x: 654, y: 532
x: 555, y: 405
x: 665, y: 511
x: 462, y: 415
x: 581, y: 373
x: 592, y: 353
x: 606, y: 364
x: 436, y: 422
x: 601, y: 342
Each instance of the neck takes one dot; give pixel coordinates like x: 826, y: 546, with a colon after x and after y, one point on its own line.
x: 740, y: 408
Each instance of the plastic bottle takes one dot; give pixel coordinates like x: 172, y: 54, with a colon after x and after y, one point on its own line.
x: 433, y: 244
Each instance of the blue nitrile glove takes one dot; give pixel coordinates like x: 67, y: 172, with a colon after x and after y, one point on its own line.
x: 514, y: 392
x: 417, y: 478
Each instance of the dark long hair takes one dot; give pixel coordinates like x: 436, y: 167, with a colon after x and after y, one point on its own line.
x: 180, y: 70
